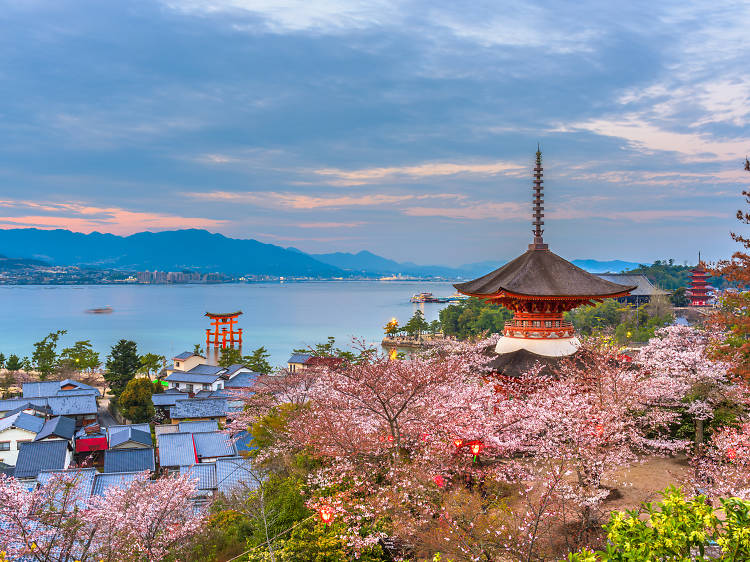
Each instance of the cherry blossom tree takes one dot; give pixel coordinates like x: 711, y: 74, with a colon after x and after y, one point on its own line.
x: 142, y: 521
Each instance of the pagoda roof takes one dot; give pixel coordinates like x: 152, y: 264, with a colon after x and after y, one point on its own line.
x: 542, y: 273
x: 223, y: 314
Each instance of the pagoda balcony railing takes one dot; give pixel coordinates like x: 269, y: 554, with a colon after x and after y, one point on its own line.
x: 543, y: 329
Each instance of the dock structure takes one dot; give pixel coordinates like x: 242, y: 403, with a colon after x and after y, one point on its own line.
x: 223, y: 333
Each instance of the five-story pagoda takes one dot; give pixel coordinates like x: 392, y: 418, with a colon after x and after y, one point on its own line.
x: 539, y: 286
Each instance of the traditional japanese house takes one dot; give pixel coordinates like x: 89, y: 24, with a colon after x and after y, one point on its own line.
x: 539, y: 286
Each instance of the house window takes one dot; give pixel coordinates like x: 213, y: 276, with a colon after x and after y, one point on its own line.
x: 21, y: 442
x: 177, y: 364
x: 190, y: 388
x: 4, y: 445
x: 206, y: 386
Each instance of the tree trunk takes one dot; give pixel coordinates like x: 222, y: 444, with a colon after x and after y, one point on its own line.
x: 698, y: 433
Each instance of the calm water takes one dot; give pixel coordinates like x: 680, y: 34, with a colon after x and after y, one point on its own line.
x: 168, y: 319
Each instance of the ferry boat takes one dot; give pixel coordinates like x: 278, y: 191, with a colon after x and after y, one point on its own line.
x: 424, y: 297
x: 102, y: 310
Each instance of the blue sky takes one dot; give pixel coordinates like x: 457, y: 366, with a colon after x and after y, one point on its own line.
x: 403, y: 128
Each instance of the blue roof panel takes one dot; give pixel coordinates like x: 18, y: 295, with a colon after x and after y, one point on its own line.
x: 106, y: 480
x: 212, y: 444
x: 207, y: 370
x: 205, y: 473
x: 22, y: 420
x: 58, y: 427
x: 41, y: 455
x: 299, y: 357
x: 129, y: 460
x: 195, y: 426
x: 176, y: 449
x: 194, y: 378
x: 199, y: 408
x: 233, y: 474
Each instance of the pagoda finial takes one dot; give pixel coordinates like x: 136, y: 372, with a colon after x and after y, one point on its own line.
x: 538, y: 207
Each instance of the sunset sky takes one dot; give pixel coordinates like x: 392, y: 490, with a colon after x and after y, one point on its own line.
x: 403, y: 128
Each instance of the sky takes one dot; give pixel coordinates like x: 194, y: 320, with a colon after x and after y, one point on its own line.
x: 404, y: 128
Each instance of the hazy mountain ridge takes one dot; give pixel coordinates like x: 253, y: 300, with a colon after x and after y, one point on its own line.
x: 200, y: 250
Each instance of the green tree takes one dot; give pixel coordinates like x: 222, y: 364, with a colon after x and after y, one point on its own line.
x: 80, y: 357
x: 473, y: 317
x: 676, y: 529
x: 416, y: 324
x: 122, y: 364
x: 135, y: 402
x: 230, y: 356
x: 2, y: 360
x: 679, y: 297
x: 14, y: 363
x: 197, y: 349
x: 258, y: 361
x: 45, y: 354
x: 151, y: 363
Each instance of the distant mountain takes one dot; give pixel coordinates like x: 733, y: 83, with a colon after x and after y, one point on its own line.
x: 592, y: 266
x: 7, y: 264
x: 194, y: 250
x: 367, y: 263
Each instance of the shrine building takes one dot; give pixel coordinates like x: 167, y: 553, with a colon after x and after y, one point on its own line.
x: 223, y: 333
x: 539, y: 286
x: 698, y: 290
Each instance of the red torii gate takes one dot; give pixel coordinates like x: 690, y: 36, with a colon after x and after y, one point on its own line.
x: 222, y: 333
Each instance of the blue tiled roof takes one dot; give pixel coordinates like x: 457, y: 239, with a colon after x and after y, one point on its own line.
x: 207, y: 370
x: 205, y: 473
x: 61, y: 405
x: 129, y: 460
x: 242, y: 380
x: 194, y: 426
x: 176, y: 449
x: 41, y: 455
x: 243, y: 442
x: 199, y: 408
x: 129, y: 434
x: 22, y: 420
x: 53, y: 388
x: 58, y: 427
x: 194, y: 378
x: 299, y: 357
x: 112, y: 429
x: 203, y: 394
x: 26, y: 405
x: 82, y: 478
x: 211, y: 444
x: 168, y: 398
x: 185, y: 355
x: 234, y: 473
x: 106, y: 480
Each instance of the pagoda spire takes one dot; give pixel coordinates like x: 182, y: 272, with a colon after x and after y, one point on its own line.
x: 538, y: 192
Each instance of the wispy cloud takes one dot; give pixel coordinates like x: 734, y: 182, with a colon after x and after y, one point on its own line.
x: 417, y: 172
x: 88, y: 218
x: 328, y: 224
x: 476, y: 211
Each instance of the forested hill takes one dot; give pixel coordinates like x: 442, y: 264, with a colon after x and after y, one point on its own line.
x: 665, y: 274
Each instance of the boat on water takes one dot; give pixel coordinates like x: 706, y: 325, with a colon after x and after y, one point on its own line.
x: 429, y: 297
x: 102, y: 310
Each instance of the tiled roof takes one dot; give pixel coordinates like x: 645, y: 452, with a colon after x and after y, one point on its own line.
x: 41, y: 455
x: 25, y: 405
x: 207, y: 370
x: 22, y: 420
x: 61, y: 405
x: 58, y: 427
x: 243, y: 442
x: 52, y: 388
x: 168, y: 398
x: 106, y: 480
x: 112, y: 429
x: 176, y: 449
x: 193, y: 426
x: 186, y: 355
x: 129, y: 460
x: 199, y: 408
x: 194, y: 378
x: 234, y: 473
x: 163, y: 428
x: 203, y: 394
x: 205, y: 473
x: 135, y: 435
x: 299, y: 357
x: 232, y: 369
x: 211, y: 444
x: 82, y: 478
x: 242, y: 380
x: 643, y: 287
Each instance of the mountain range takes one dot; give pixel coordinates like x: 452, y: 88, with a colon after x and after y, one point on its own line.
x: 200, y: 250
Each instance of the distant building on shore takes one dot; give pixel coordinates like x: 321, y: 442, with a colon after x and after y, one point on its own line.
x: 162, y: 277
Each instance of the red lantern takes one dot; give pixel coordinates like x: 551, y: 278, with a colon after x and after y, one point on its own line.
x: 732, y: 454
x: 599, y: 429
x: 390, y: 439
x: 326, y: 514
x: 439, y: 480
x: 458, y: 443
x: 476, y: 447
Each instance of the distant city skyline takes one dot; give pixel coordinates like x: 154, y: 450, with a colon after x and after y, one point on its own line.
x: 407, y: 129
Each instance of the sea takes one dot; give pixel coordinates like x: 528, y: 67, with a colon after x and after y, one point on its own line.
x: 170, y: 319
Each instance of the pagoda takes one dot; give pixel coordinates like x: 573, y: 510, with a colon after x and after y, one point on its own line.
x: 698, y: 289
x: 539, y: 286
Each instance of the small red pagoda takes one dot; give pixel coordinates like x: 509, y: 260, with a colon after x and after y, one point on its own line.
x: 222, y: 333
x: 698, y: 289
x: 539, y: 286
